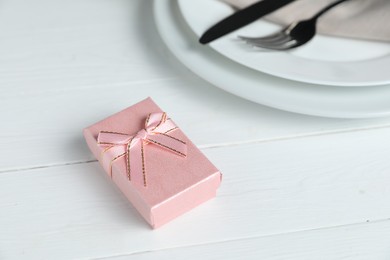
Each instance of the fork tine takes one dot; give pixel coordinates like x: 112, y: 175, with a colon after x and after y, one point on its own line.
x: 278, y: 42
x: 281, y: 46
x: 276, y: 48
x: 271, y: 37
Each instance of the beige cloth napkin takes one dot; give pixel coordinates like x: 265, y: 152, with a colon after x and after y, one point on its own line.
x: 362, y: 19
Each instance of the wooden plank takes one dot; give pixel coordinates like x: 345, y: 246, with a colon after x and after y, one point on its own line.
x: 268, y: 188
x: 368, y: 241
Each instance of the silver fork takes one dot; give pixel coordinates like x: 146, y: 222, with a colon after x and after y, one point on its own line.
x: 292, y: 36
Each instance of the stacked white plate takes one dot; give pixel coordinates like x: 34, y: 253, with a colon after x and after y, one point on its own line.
x: 329, y: 76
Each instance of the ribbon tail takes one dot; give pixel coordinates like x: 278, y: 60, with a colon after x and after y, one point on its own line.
x: 136, y: 162
x: 115, y: 153
x: 169, y: 143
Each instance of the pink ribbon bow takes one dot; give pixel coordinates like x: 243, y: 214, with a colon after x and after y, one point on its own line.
x: 156, y: 130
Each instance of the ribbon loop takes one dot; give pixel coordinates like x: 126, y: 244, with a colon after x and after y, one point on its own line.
x: 156, y: 131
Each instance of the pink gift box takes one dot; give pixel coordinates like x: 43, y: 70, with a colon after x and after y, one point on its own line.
x: 162, y: 178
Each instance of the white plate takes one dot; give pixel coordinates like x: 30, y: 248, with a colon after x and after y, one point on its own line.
x: 324, y: 60
x: 262, y: 88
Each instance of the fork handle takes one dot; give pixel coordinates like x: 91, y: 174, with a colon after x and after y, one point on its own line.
x: 326, y: 9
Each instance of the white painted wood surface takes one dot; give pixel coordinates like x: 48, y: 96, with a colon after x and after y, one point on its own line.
x: 294, y: 187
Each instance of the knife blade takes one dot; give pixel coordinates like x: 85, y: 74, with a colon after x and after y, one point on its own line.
x: 241, y: 18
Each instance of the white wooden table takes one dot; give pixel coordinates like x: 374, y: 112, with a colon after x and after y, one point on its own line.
x: 294, y: 186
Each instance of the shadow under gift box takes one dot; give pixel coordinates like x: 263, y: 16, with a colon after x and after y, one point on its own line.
x: 174, y: 184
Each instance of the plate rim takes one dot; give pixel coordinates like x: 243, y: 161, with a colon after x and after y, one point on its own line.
x: 325, y: 100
